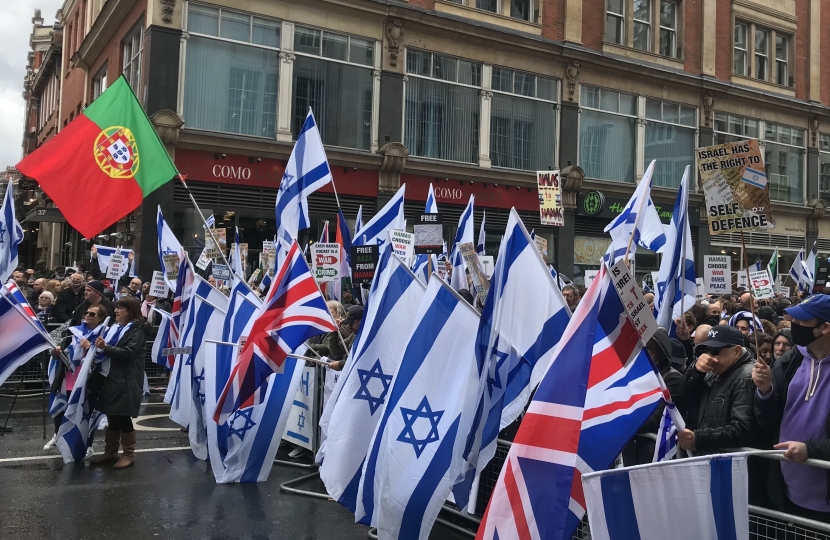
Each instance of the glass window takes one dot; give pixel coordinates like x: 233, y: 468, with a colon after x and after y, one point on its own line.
x: 335, y: 46
x: 361, y: 51
x: 668, y: 28
x: 607, y: 139
x: 444, y: 67
x: 824, y: 167
x: 203, y: 20
x: 266, y: 32
x: 739, y: 55
x: 670, y: 139
x: 133, y: 46
x: 761, y: 54
x: 488, y: 5
x: 642, y: 25
x: 306, y: 40
x: 520, y: 9
x: 418, y: 63
x: 784, y: 162
x: 731, y: 128
x: 235, y: 26
x: 502, y: 79
x: 99, y: 82
x: 781, y: 59
x: 615, y: 21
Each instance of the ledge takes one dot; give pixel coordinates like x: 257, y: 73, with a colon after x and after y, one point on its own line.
x: 105, y: 25
x: 645, y: 56
x: 444, y: 6
x: 763, y: 85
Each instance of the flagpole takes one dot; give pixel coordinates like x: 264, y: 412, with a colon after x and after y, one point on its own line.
x: 751, y: 296
x: 44, y: 334
x: 199, y: 211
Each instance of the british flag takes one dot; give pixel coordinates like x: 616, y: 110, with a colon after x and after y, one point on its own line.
x: 22, y: 303
x: 293, y: 312
x: 597, y: 392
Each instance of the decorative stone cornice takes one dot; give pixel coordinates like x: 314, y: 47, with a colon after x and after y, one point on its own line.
x: 394, y: 39
x: 818, y: 207
x: 167, y: 124
x: 571, y: 178
x: 708, y: 100
x: 167, y: 8
x: 571, y: 74
x: 394, y: 160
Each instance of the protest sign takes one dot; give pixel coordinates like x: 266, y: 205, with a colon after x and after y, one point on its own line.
x: 301, y: 427
x: 202, y: 263
x: 699, y: 288
x: 211, y: 250
x: 550, y: 198
x: 741, y: 282
x: 717, y: 274
x: 364, y: 263
x: 221, y: 272
x: 116, y: 267
x: 487, y: 264
x: 589, y: 277
x: 268, y: 257
x: 541, y: 246
x: 784, y: 291
x: 735, y: 186
x: 429, y: 234
x: 480, y: 282
x: 158, y: 287
x: 633, y: 301
x: 171, y: 262
x: 403, y: 245
x: 820, y: 283
x: 761, y: 284
x: 243, y: 251
x: 326, y: 261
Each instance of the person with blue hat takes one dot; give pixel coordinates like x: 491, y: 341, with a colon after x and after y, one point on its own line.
x: 792, y: 403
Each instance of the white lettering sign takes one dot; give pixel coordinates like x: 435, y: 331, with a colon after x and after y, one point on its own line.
x: 717, y: 274
x: 633, y: 301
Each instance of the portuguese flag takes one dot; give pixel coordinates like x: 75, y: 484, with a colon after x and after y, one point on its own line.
x: 100, y: 167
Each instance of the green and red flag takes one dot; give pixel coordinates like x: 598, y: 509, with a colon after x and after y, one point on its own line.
x: 100, y: 167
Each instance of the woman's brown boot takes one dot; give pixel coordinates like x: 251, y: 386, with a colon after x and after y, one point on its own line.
x: 128, y: 454
x: 111, y: 438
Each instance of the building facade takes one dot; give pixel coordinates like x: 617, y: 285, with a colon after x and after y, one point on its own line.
x: 471, y: 96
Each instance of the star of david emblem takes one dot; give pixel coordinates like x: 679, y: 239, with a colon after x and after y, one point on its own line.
x: 380, y: 242
x: 366, y: 376
x: 301, y: 420
x: 494, y: 380
x: 286, y: 180
x: 169, y: 251
x: 2, y: 233
x: 199, y: 391
x: 410, y: 416
x: 247, y: 423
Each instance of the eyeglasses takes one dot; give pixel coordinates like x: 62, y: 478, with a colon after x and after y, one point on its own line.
x: 90, y: 314
x: 705, y: 349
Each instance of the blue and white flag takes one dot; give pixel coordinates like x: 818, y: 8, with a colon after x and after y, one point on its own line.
x: 75, y: 353
x: 11, y: 234
x: 209, y: 222
x: 237, y: 264
x: 797, y: 270
x: 23, y: 334
x: 432, y: 204
x: 165, y: 339
x: 358, y: 222
x: 105, y: 253
x: 416, y: 452
x: 171, y: 252
x: 676, y: 286
x: 482, y: 236
x: 810, y: 267
x: 307, y: 171
x: 390, y: 217
x: 464, y: 234
x: 638, y: 217
x: 687, y: 499
x: 355, y: 405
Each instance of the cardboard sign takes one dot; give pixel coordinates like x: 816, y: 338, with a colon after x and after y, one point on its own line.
x: 212, y: 251
x: 784, y: 291
x: 542, y: 246
x: 364, y: 263
x: 158, y: 287
x: 820, y: 283
x: 403, y: 245
x: 116, y: 267
x: 633, y: 301
x: 488, y: 265
x: 761, y: 284
x: 243, y: 251
x: 221, y: 272
x: 550, y: 198
x: 267, y: 245
x: 699, y: 288
x: 429, y: 234
x: 717, y: 274
x: 736, y: 187
x: 741, y: 282
x: 171, y: 265
x: 443, y: 269
x: 480, y: 281
x: 201, y: 264
x: 326, y: 261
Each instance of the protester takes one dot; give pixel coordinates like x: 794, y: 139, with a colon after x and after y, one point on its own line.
x: 60, y: 273
x: 715, y: 311
x: 792, y: 402
x: 38, y: 286
x: 685, y: 329
x: 649, y: 298
x: 338, y: 349
x: 746, y: 322
x: 93, y: 295
x: 69, y: 298
x: 45, y: 308
x: 718, y: 390
x: 118, y: 392
x: 765, y: 346
x: 134, y: 289
x: 571, y: 295
x: 54, y: 286
x: 782, y: 343
x: 150, y: 301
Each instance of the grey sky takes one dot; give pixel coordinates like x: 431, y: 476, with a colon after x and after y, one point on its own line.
x: 15, y: 29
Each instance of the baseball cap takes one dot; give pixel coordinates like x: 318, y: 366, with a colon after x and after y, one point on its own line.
x: 678, y: 353
x: 96, y: 286
x: 354, y: 314
x: 815, y: 307
x: 724, y: 336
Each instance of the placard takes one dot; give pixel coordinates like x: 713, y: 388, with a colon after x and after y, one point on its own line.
x: 243, y: 251
x: 158, y: 287
x: 735, y: 186
x: 116, y: 267
x: 221, y: 272
x: 403, y: 245
x: 550, y: 198
x: 212, y: 252
x: 589, y: 277
x: 488, y: 265
x: 171, y: 265
x: 480, y: 281
x: 326, y: 261
x: 761, y: 284
x: 820, y: 283
x: 741, y: 282
x: 717, y: 274
x: 542, y: 246
x: 633, y: 301
x: 300, y: 428
x: 784, y: 291
x: 429, y: 234
x: 699, y: 288
x: 202, y: 263
x: 364, y: 263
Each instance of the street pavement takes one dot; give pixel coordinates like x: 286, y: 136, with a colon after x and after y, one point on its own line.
x: 168, y: 493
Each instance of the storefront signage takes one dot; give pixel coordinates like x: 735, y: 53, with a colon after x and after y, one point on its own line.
x: 550, y: 198
x: 593, y: 203
x: 48, y: 215
x: 225, y: 171
x: 761, y: 284
x: 429, y: 234
x: 717, y: 274
x: 596, y: 204
x: 451, y: 194
x: 735, y: 186
x: 403, y: 245
x: 633, y: 301
x: 364, y: 263
x: 326, y: 260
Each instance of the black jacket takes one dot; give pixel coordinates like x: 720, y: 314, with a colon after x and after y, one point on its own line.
x: 674, y: 384
x: 78, y: 314
x: 720, y: 407
x: 66, y: 303
x: 119, y: 393
x: 769, y: 413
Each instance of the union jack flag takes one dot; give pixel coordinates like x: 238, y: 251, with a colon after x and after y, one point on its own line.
x: 293, y: 312
x: 22, y: 303
x: 597, y: 392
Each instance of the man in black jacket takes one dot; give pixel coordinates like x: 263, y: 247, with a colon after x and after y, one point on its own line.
x: 94, y: 294
x: 69, y: 298
x: 720, y: 383
x: 792, y: 404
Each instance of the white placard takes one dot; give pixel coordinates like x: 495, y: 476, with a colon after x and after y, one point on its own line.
x: 325, y: 258
x: 633, y: 301
x: 203, y: 261
x: 761, y: 284
x: 784, y: 291
x: 116, y: 267
x: 717, y: 274
x: 300, y: 427
x: 403, y: 245
x: 221, y: 272
x: 589, y: 277
x: 158, y: 287
x: 742, y: 284
x: 699, y: 288
x: 487, y: 264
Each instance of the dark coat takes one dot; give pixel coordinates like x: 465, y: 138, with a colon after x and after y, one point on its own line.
x: 769, y: 413
x: 66, y: 303
x: 78, y: 314
x: 46, y: 316
x: 724, y: 416
x: 119, y: 393
x: 640, y: 450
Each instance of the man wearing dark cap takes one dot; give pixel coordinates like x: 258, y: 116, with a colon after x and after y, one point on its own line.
x: 348, y: 330
x: 792, y: 403
x: 719, y: 383
x: 94, y: 295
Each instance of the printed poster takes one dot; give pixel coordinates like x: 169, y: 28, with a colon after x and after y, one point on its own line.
x: 550, y: 198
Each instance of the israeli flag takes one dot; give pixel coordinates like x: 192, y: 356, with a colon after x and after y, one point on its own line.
x: 11, y: 234
x: 58, y: 400
x: 797, y: 269
x: 515, y: 344
x: 808, y: 275
x: 358, y: 221
x: 164, y: 339
x: 687, y: 499
x: 105, y: 254
x: 463, y: 235
x: 390, y: 217
x: 415, y: 455
x: 209, y: 222
x: 168, y: 245
x: 676, y: 285
x: 237, y: 264
x: 307, y: 171
x: 482, y: 236
x: 431, y: 205
x: 355, y: 405
x: 639, y: 217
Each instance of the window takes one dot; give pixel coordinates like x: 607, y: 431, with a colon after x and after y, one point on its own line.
x: 668, y: 29
x: 731, y: 128
x: 132, y: 47
x: 520, y: 9
x: 615, y: 22
x: 642, y: 25
x: 671, y: 140
x: 761, y: 54
x: 99, y: 82
x: 231, y: 83
x: 523, y: 120
x: 333, y: 76
x: 784, y: 160
x: 781, y: 59
x: 517, y: 9
x: 740, y: 49
x: 652, y: 26
x: 824, y: 171
x: 442, y: 107
x: 608, y: 134
x: 752, y: 54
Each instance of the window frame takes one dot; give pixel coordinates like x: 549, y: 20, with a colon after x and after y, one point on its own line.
x: 654, y: 42
x: 744, y: 51
x: 504, y: 8
x: 638, y: 150
x: 218, y: 36
x: 647, y: 22
x: 672, y: 31
x: 621, y: 20
x: 785, y: 61
x: 97, y: 80
x: 802, y: 148
x: 769, y: 56
x: 761, y: 55
x: 135, y: 59
x: 824, y: 179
